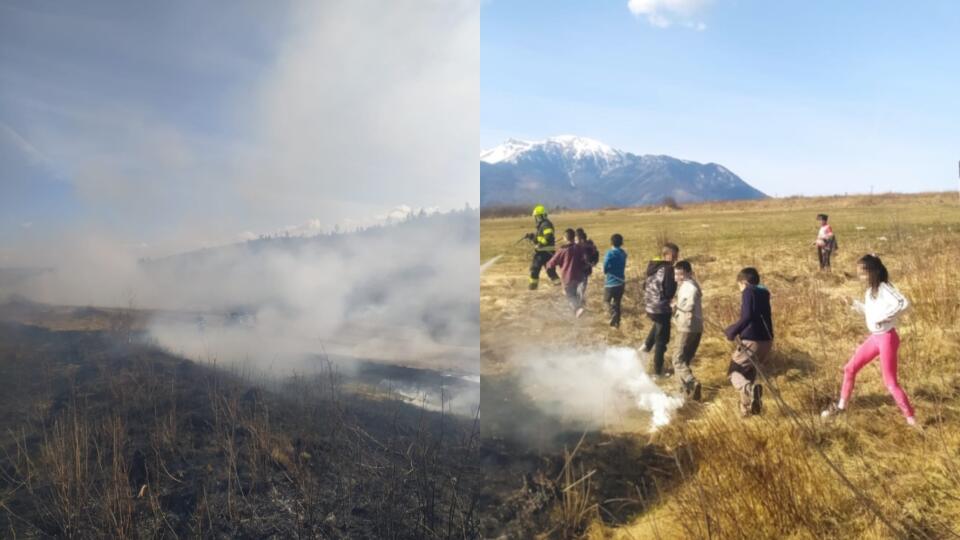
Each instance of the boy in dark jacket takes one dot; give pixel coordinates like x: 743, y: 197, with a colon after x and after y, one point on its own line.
x: 572, y: 261
x: 593, y: 257
x: 755, y: 330
x: 658, y: 291
x: 614, y: 268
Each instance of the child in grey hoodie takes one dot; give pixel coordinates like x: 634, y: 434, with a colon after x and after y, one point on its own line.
x: 659, y: 288
x: 688, y: 322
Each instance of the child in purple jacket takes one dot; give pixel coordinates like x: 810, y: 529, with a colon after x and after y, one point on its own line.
x: 754, y: 335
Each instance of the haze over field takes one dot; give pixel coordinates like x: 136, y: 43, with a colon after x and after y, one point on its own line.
x: 130, y: 136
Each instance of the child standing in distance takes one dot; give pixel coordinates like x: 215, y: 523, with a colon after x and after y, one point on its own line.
x: 882, y: 305
x: 614, y: 268
x: 571, y: 258
x: 658, y: 291
x: 755, y: 330
x: 826, y: 243
x: 593, y: 257
x: 688, y: 320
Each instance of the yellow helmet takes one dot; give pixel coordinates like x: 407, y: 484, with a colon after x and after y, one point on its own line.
x: 539, y: 210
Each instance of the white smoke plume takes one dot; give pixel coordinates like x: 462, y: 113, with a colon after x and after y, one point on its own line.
x: 590, y: 387
x: 404, y: 294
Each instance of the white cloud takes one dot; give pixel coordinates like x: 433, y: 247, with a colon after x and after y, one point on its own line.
x: 665, y: 13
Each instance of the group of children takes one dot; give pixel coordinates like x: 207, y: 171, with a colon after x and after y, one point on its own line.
x: 672, y: 298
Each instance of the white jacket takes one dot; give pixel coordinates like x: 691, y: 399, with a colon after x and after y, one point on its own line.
x: 882, y: 311
x: 688, y: 315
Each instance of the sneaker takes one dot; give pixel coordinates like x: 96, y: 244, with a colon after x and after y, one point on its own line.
x: 831, y: 411
x: 756, y: 399
x: 579, y: 312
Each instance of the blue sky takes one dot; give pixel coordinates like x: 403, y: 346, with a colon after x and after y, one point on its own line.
x: 813, y: 97
x: 164, y: 126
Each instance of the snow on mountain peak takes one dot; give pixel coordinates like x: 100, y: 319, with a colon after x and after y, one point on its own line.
x: 581, y: 146
x: 571, y: 146
x: 506, y: 151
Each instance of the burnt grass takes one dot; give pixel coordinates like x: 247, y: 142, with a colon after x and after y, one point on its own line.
x: 543, y: 479
x: 101, y: 436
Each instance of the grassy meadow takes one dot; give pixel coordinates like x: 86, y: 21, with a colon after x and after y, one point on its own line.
x: 785, y: 473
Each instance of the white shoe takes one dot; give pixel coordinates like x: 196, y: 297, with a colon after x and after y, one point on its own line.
x: 580, y: 312
x: 831, y: 411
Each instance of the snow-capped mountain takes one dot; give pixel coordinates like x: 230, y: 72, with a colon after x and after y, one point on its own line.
x: 577, y: 172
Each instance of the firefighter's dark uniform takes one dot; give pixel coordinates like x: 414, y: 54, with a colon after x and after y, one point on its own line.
x: 544, y: 248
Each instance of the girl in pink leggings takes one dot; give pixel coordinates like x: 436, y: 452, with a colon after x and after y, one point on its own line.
x: 882, y: 305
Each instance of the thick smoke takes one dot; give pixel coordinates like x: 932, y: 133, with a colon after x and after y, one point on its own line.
x: 592, y: 389
x: 402, y: 294
x: 187, y: 127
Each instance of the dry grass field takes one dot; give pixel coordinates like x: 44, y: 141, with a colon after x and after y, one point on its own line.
x: 106, y: 435
x: 785, y: 473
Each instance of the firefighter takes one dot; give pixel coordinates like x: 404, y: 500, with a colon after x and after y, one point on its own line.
x: 544, y: 246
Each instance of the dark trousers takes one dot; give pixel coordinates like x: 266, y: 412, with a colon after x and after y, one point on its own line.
x: 824, y: 255
x: 612, y: 297
x: 540, y: 259
x: 572, y: 291
x: 657, y: 339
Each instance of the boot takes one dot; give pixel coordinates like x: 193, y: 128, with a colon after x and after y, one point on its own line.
x: 756, y: 398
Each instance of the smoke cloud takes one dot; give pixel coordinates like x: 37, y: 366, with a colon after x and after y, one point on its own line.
x: 592, y: 388
x: 403, y: 293
x: 135, y: 141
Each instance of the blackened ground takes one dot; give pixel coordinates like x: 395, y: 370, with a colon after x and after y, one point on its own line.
x: 542, y: 481
x: 101, y: 437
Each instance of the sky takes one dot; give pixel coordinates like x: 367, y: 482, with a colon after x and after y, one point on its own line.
x: 162, y: 127
x: 797, y: 98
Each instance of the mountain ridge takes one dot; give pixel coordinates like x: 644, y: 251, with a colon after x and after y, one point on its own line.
x: 578, y: 172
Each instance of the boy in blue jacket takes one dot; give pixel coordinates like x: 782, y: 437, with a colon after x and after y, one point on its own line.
x: 755, y: 330
x: 614, y: 268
